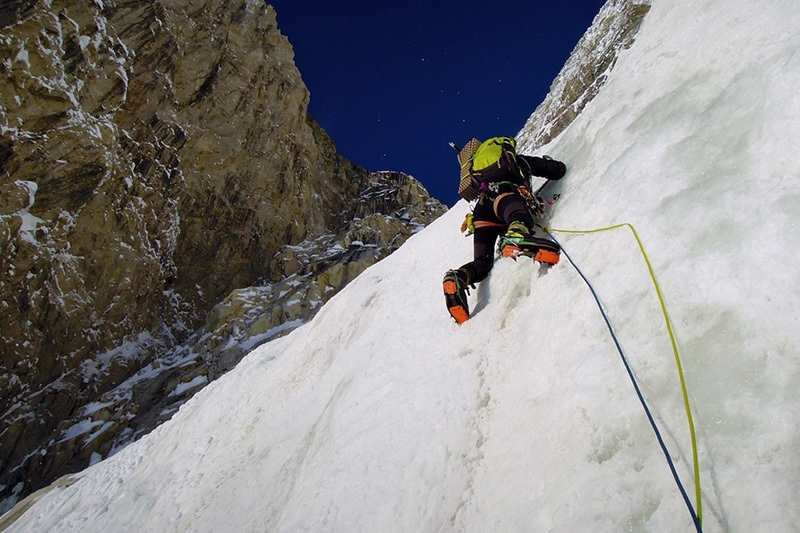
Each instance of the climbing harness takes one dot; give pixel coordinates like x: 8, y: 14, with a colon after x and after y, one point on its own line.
x: 697, y: 517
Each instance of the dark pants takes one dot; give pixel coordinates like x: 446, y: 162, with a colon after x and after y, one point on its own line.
x: 492, y: 217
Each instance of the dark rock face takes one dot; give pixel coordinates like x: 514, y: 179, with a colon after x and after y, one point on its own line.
x: 158, y: 165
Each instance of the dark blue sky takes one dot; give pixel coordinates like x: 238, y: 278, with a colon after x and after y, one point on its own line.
x: 393, y: 82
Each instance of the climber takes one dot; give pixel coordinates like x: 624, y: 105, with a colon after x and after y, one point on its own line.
x: 496, y: 174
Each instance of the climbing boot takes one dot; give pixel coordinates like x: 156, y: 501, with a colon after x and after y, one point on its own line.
x: 519, y: 240
x: 517, y: 231
x: 455, y: 285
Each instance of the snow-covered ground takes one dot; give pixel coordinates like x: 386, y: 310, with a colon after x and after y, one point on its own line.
x: 383, y: 415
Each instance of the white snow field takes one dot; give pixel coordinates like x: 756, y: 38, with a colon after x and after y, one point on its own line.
x: 383, y: 415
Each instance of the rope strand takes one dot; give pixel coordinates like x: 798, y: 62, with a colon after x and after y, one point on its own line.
x: 696, y: 516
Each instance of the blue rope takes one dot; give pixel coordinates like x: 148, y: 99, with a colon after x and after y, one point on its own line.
x: 688, y: 502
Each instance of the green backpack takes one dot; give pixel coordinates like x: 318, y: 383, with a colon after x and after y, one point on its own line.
x: 494, y: 159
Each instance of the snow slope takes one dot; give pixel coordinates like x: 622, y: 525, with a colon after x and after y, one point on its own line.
x: 382, y: 414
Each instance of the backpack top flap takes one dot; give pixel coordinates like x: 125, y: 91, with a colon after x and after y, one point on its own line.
x: 466, y: 186
x: 492, y: 150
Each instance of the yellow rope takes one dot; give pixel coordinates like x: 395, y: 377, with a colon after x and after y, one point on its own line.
x: 674, y: 349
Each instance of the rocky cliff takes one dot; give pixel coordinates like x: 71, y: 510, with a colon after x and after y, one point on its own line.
x: 612, y: 32
x: 166, y: 203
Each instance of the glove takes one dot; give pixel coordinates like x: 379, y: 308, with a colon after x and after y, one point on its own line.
x: 555, y: 169
x: 547, y: 167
